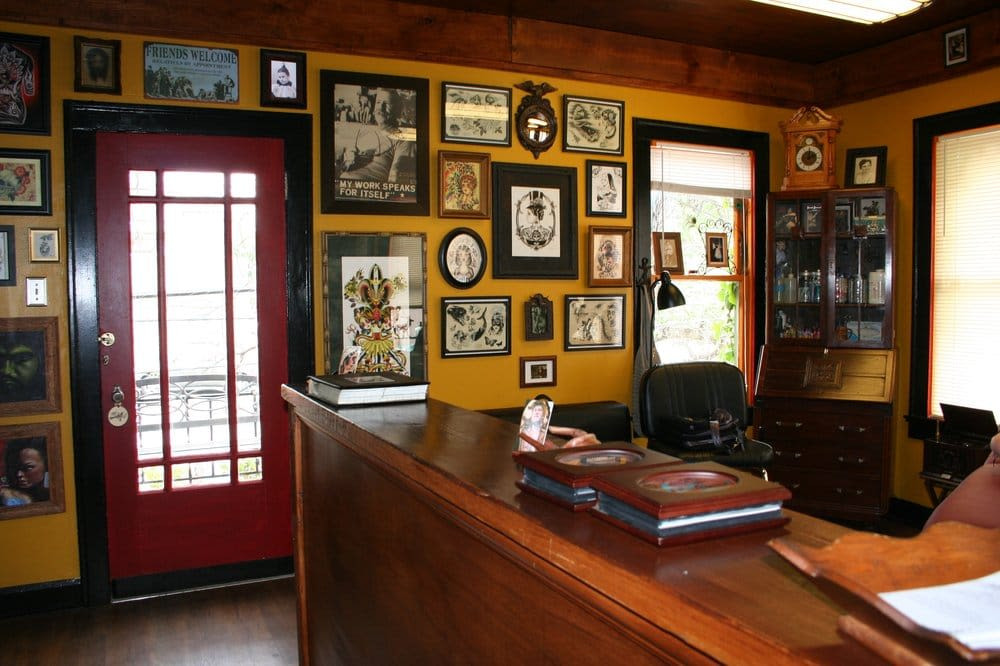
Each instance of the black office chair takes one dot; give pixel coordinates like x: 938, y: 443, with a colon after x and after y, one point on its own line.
x: 695, y: 390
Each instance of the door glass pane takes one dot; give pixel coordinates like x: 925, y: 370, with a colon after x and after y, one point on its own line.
x: 244, y: 230
x: 145, y: 332
x: 208, y: 473
x: 194, y: 184
x: 142, y: 183
x: 150, y: 478
x: 243, y: 185
x: 251, y: 469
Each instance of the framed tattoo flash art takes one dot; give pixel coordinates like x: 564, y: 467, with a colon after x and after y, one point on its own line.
x: 24, y: 59
x: 668, y: 253
x: 8, y: 261
x: 43, y: 245
x: 97, y: 65
x: 538, y: 371
x: 375, y: 304
x: 24, y: 182
x: 283, y: 78
x: 593, y: 125
x: 609, y: 257
x: 464, y: 182
x: 475, y: 114
x: 538, y: 318
x: 475, y: 326
x: 595, y: 322
x: 606, y: 183
x: 31, y: 481
x: 373, y: 150
x: 462, y: 258
x: 29, y: 366
x: 534, y: 222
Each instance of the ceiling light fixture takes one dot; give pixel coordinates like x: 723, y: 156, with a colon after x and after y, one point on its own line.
x: 859, y: 11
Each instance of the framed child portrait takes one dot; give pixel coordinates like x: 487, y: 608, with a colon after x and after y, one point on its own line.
x: 283, y: 79
x: 31, y: 481
x: 98, y: 65
x: 717, y: 249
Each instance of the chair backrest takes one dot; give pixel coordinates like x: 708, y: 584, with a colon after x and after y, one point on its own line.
x: 690, y: 389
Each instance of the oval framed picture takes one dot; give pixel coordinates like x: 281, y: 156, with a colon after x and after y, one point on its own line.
x: 462, y: 258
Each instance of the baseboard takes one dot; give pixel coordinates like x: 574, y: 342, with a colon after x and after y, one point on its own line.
x: 189, y: 579
x: 40, y: 598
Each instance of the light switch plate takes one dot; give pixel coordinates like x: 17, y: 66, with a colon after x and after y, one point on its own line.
x: 37, y: 291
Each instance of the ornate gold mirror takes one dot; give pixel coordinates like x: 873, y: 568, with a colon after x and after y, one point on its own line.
x: 536, y: 120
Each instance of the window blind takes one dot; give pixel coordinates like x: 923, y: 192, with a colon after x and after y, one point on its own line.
x: 965, y: 286
x: 708, y: 170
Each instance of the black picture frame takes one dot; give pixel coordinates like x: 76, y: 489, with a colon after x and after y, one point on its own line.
x: 44, y: 442
x: 35, y: 342
x: 275, y: 87
x: 8, y: 256
x: 97, y: 65
x: 462, y: 258
x: 538, y: 318
x: 472, y: 113
x: 593, y: 125
x: 477, y: 326
x: 33, y: 168
x: 544, y: 246
x: 607, y: 188
x: 865, y: 167
x: 956, y: 46
x: 594, y: 322
x: 28, y: 111
x: 537, y: 371
x: 349, y: 132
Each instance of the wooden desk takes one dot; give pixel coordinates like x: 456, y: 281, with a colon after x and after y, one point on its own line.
x: 413, y: 545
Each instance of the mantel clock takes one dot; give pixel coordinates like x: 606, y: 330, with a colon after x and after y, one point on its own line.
x: 809, y: 149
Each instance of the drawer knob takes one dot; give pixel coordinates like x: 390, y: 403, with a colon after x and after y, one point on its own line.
x: 859, y: 429
x: 793, y: 424
x: 797, y: 455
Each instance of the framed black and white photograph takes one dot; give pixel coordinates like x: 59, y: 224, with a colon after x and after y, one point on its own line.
x: 475, y: 114
x: 462, y: 258
x: 956, y: 46
x: 374, y: 310
x: 373, y: 150
x: 538, y: 318
x: 537, y: 371
x: 475, y: 326
x: 595, y: 322
x: 593, y: 125
x: 667, y: 252
x: 191, y: 73
x: 534, y: 222
x: 43, y: 245
x: 464, y: 184
x: 283, y: 79
x: 865, y: 167
x: 25, y: 108
x: 843, y: 218
x: 25, y: 182
x: 606, y: 188
x: 97, y: 65
x: 609, y: 257
x: 8, y: 260
x: 716, y: 249
x: 31, y: 479
x: 29, y: 360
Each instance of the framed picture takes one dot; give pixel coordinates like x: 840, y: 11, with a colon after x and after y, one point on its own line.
x: 812, y: 217
x: 668, y: 253
x: 717, y: 249
x: 538, y: 318
x: 31, y: 480
x: 29, y: 361
x: 534, y: 222
x: 534, y: 427
x: 25, y: 108
x: 475, y: 326
x: 956, y: 46
x: 283, y: 79
x: 475, y: 114
x: 786, y: 217
x: 871, y: 218
x: 593, y: 125
x: 191, y: 73
x: 595, y: 322
x: 373, y: 150
x: 8, y: 261
x: 538, y: 371
x: 865, y: 167
x: 43, y: 244
x: 25, y: 182
x: 462, y: 258
x: 606, y: 195
x: 609, y: 257
x: 98, y: 65
x: 843, y: 218
x: 464, y: 181
x: 375, y: 287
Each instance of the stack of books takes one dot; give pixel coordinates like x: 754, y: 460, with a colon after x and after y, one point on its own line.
x: 366, y: 388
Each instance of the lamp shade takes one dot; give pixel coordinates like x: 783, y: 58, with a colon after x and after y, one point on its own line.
x: 669, y: 295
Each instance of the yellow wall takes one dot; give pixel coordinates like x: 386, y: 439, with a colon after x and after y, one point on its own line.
x: 45, y: 548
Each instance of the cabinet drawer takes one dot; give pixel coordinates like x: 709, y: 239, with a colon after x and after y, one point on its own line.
x: 847, y: 429
x: 805, y: 453
x: 844, y: 491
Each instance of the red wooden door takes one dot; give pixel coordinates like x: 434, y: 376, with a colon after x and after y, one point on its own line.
x: 191, y: 255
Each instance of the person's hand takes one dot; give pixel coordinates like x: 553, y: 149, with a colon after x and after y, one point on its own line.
x: 577, y: 437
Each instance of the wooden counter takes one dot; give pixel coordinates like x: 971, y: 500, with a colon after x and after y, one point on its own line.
x: 413, y: 545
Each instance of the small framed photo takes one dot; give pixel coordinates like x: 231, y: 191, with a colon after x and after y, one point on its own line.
x: 25, y: 182
x: 475, y: 326
x: 606, y: 183
x: 717, y: 249
x: 283, y: 79
x: 956, y: 46
x: 43, y: 245
x: 98, y: 65
x: 8, y: 261
x: 462, y: 258
x: 865, y: 167
x: 843, y: 218
x: 534, y: 426
x: 475, y: 114
x: 812, y: 217
x: 25, y: 92
x: 31, y: 481
x: 538, y: 318
x: 593, y: 125
x: 786, y: 218
x: 538, y: 371
x: 464, y: 182
x: 667, y: 252
x: 29, y: 349
x: 871, y: 217
x: 610, y: 257
x: 595, y: 322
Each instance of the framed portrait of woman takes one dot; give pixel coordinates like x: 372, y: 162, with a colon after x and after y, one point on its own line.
x: 31, y: 481
x: 462, y: 258
x: 464, y: 181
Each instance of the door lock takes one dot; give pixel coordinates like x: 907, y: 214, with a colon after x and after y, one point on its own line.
x: 107, y: 338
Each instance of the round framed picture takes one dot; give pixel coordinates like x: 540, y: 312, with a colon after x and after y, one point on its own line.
x: 462, y: 258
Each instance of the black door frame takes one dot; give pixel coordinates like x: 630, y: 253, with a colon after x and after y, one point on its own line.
x: 82, y: 121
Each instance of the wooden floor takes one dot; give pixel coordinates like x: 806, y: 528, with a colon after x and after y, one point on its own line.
x: 245, y: 625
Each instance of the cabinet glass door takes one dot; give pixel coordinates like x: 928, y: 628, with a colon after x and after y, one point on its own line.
x: 797, y: 279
